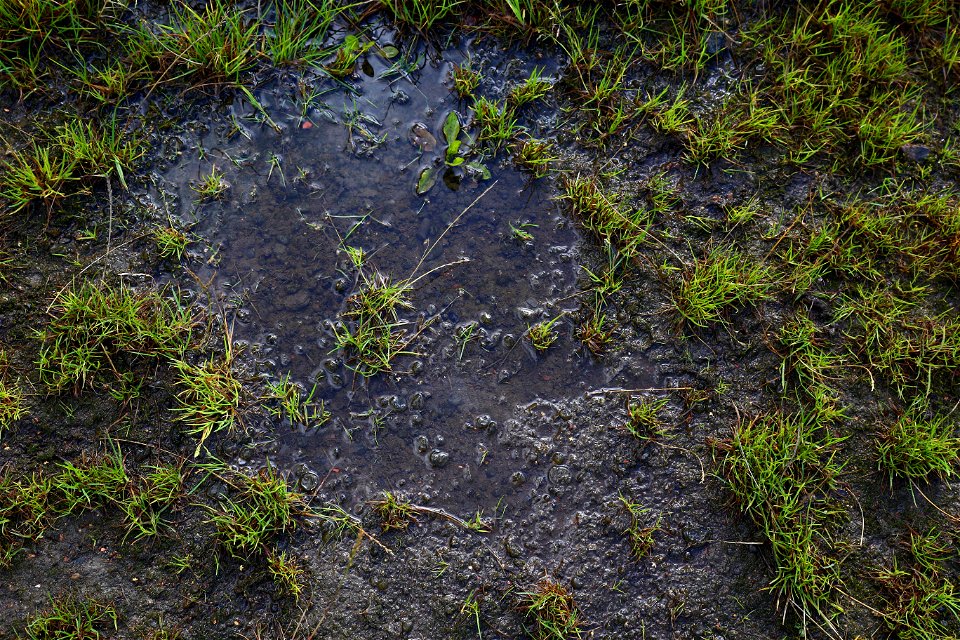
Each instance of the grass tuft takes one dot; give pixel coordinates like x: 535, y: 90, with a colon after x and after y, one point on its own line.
x: 916, y: 447
x: 70, y: 619
x: 551, y: 612
x: 209, y: 397
x: 720, y: 279
x: 783, y: 471
x: 95, y: 325
x: 261, y: 508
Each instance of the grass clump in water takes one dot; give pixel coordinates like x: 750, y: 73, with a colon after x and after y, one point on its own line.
x: 217, y: 44
x: 465, y: 81
x: 298, y: 30
x: 542, y: 334
x: 296, y: 406
x: 395, y: 513
x: 171, y: 243
x: 421, y: 15
x: 530, y: 90
x: 209, y: 397
x: 373, y: 335
x: 496, y: 124
x: 211, y: 186
x: 551, y: 611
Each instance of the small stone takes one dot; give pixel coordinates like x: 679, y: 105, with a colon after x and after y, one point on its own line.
x: 421, y: 444
x: 560, y: 475
x: 439, y: 458
x: 309, y: 481
x: 916, y: 152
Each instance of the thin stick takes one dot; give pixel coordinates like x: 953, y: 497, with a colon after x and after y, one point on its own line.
x: 450, y: 226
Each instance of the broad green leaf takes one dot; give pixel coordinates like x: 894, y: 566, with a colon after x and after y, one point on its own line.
x: 451, y: 127
x: 428, y: 178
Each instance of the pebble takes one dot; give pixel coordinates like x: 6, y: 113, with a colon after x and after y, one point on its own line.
x: 560, y: 475
x: 439, y: 458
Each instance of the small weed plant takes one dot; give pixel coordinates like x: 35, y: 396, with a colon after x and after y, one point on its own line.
x: 71, y: 619
x: 551, y: 612
x: 719, y: 280
x: 917, y: 447
x: 394, y: 512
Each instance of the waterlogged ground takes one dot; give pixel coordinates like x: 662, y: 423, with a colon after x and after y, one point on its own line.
x: 518, y: 462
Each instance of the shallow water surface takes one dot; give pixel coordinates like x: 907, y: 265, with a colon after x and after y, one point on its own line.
x: 344, y: 174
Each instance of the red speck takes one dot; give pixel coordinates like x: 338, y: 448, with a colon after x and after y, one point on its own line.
x: 307, y: 125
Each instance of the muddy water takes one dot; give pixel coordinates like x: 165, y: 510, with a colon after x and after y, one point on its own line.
x: 343, y: 171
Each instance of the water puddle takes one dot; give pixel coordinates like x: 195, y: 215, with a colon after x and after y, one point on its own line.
x: 341, y: 176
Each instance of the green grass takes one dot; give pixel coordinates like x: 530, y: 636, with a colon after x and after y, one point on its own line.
x: 887, y: 330
x: 918, y: 446
x: 25, y: 511
x: 71, y: 619
x: 530, y: 90
x: 209, y: 398
x: 297, y: 31
x: 606, y: 216
x: 421, y: 15
x: 260, y: 508
x: 156, y: 490
x: 638, y: 533
x: 920, y: 596
x: 721, y: 279
x: 94, y: 326
x: 496, y: 124
x: 731, y: 128
x: 465, y: 81
x: 542, y: 334
x: 551, y: 612
x: 783, y: 471
x: 211, y: 186
x: 394, y: 512
x: 372, y: 334
x: 217, y: 44
x: 805, y: 359
x: 536, y: 156
x: 287, y: 573
x: 38, y: 175
x: 92, y: 482
x: 12, y: 398
x: 643, y: 419
x: 100, y: 150
x: 290, y: 402
x: 171, y: 243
